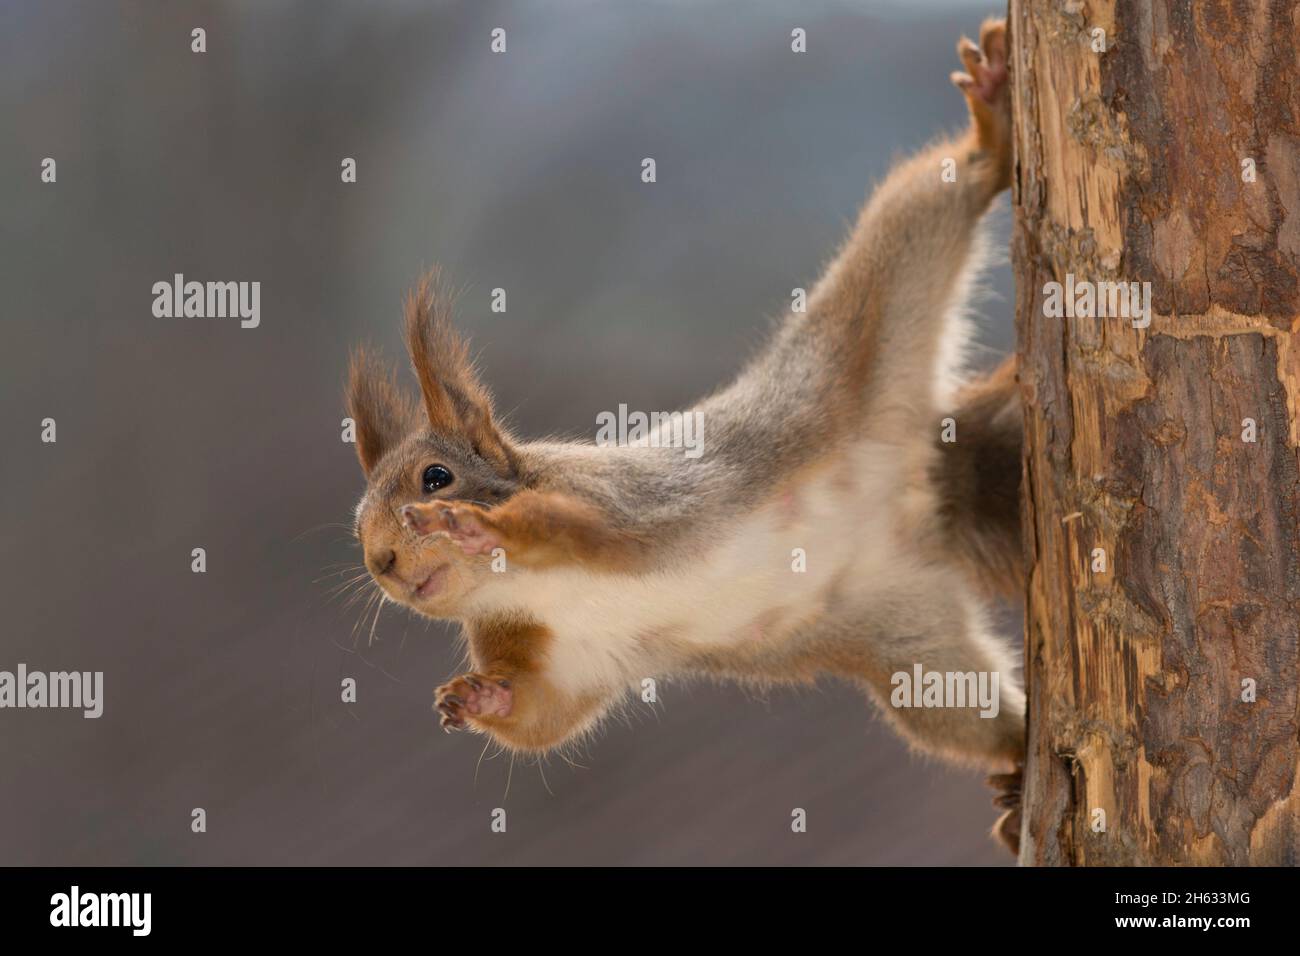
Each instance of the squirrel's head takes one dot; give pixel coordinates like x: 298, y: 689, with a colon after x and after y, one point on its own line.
x: 449, y: 446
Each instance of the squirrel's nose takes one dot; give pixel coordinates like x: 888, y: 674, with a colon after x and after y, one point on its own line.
x: 380, y: 562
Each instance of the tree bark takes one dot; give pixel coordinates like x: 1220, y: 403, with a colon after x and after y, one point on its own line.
x: 1132, y: 166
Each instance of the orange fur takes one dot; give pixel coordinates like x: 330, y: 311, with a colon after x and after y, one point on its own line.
x: 539, y: 529
x: 454, y: 399
x: 380, y: 410
x: 513, y: 649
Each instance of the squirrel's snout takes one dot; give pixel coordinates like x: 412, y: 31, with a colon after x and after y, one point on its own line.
x: 381, y: 561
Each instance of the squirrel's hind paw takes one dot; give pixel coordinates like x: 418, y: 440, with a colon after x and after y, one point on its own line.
x: 1008, y: 797
x: 985, y: 84
x: 986, y: 73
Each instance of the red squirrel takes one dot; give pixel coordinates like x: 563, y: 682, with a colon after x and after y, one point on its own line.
x: 579, y: 569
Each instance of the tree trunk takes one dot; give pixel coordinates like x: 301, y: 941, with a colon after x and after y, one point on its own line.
x: 1161, y: 496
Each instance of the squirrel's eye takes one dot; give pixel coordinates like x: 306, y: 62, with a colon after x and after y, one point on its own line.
x: 435, y: 477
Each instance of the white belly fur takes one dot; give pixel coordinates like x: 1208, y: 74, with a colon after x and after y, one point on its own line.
x: 604, y: 625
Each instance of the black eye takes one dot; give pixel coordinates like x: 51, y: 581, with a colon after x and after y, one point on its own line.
x: 435, y: 477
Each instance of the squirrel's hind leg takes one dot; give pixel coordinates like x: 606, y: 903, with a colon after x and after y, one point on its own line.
x: 885, y: 313
x: 923, y: 651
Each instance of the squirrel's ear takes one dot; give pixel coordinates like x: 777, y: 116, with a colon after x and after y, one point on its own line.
x: 382, y: 413
x: 454, y: 399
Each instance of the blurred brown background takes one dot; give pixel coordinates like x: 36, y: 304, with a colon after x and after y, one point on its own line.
x: 519, y: 171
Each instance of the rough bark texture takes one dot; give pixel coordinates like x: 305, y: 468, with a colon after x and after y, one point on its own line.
x: 1130, y: 167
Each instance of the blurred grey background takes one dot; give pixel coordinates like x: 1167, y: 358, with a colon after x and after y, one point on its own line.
x: 520, y: 171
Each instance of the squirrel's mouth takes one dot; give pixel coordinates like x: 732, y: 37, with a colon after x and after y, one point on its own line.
x: 434, y: 582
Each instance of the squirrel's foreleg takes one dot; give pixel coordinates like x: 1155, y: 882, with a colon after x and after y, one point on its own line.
x: 533, y: 529
x: 509, y: 694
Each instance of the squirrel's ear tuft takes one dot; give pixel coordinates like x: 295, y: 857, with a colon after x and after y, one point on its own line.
x: 383, y: 413
x: 454, y: 399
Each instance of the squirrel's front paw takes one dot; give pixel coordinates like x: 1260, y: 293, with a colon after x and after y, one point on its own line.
x: 468, y: 525
x: 473, y: 695
x: 988, y: 94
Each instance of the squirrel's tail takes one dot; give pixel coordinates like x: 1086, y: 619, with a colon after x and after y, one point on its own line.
x: 978, y: 479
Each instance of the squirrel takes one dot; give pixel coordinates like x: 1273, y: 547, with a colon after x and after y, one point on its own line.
x: 577, y: 569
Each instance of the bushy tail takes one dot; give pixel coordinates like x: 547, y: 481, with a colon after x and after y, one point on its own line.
x: 978, y: 478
